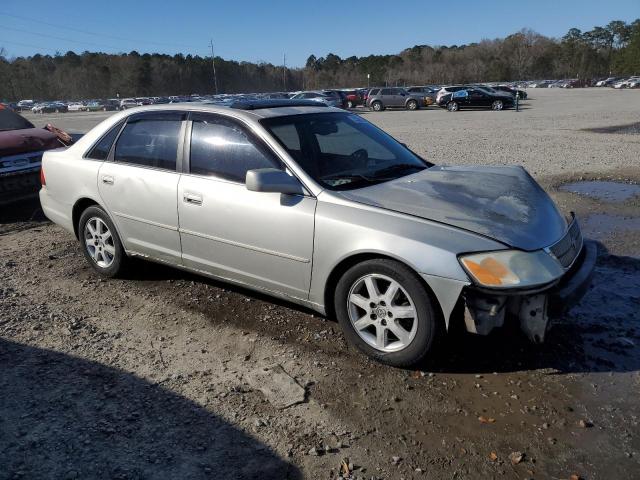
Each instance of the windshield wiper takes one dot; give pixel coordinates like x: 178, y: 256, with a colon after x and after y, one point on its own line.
x: 398, y: 167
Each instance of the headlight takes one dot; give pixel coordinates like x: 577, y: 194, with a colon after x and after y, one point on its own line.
x: 511, y: 268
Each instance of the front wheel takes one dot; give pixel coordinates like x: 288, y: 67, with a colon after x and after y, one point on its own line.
x: 384, y: 309
x: 453, y: 106
x: 350, y: 104
x: 412, y: 105
x: 377, y: 106
x: 100, y: 243
x: 497, y: 105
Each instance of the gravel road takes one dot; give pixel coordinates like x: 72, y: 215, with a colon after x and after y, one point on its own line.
x: 153, y: 376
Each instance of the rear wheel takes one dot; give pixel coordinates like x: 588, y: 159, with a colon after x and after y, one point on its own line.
x: 453, y: 106
x: 412, y: 105
x: 350, y: 104
x: 497, y: 105
x: 100, y: 243
x: 376, y: 106
x: 384, y: 310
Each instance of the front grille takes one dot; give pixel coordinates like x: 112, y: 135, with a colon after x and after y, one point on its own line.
x: 568, y: 247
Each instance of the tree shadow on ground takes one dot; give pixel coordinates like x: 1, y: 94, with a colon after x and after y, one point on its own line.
x: 66, y: 417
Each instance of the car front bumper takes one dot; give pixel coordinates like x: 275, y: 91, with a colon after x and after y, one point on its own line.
x: 533, y: 309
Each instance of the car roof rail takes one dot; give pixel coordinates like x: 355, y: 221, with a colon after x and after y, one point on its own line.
x: 274, y: 103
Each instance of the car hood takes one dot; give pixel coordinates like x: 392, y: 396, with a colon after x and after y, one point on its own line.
x: 504, y: 203
x: 13, y: 142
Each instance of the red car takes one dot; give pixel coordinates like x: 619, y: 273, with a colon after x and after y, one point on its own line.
x: 21, y: 148
x: 356, y: 97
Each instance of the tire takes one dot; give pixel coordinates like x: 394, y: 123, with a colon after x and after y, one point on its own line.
x: 350, y: 104
x: 416, y: 331
x: 412, y: 105
x: 101, y: 244
x: 377, y: 106
x: 497, y: 105
x: 57, y: 110
x: 104, y: 109
x: 453, y: 106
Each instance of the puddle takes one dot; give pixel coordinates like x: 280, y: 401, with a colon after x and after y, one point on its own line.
x: 629, y: 129
x: 603, y: 190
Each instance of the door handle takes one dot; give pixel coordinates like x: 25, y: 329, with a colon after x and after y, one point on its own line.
x: 108, y: 179
x: 192, y: 198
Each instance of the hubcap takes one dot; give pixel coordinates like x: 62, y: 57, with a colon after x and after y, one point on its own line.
x: 382, y: 313
x: 99, y: 242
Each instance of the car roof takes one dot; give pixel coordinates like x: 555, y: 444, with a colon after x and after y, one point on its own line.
x: 280, y: 108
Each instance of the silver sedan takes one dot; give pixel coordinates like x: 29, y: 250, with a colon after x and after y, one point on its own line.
x: 318, y: 206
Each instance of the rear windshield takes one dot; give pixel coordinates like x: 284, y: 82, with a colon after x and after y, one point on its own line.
x: 10, y: 120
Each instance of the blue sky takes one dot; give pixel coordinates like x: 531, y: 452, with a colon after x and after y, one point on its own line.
x: 265, y: 30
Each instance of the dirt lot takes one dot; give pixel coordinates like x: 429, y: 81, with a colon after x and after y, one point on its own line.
x: 154, y: 376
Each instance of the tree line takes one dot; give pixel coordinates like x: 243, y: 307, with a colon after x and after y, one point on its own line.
x: 610, y: 50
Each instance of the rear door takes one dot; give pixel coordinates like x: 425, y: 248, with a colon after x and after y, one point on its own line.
x: 139, y: 184
x: 257, y: 238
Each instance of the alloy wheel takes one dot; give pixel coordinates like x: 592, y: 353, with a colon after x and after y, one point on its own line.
x: 497, y: 105
x: 382, y: 313
x: 99, y: 242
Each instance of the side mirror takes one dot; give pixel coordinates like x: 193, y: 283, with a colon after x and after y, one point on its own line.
x: 273, y: 180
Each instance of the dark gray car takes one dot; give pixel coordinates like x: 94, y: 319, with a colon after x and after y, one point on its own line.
x: 394, y: 97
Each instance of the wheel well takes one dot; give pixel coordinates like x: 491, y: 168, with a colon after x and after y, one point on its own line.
x: 79, y: 207
x: 349, y: 262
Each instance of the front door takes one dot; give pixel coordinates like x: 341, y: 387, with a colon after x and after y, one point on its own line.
x: 139, y: 183
x: 256, y: 238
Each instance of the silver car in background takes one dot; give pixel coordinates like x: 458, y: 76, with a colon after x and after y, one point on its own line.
x: 326, y: 98
x: 318, y: 206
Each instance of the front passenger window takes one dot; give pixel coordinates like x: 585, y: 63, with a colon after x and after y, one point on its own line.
x: 222, y: 148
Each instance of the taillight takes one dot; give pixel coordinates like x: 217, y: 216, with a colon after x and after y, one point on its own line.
x: 43, y: 182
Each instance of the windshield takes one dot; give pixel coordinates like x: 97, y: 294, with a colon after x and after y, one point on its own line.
x: 342, y: 151
x: 10, y: 120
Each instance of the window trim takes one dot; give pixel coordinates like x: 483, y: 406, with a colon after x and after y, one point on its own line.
x: 246, y: 128
x: 150, y: 114
x: 119, y: 125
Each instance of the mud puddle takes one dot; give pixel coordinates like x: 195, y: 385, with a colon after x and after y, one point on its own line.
x: 605, y: 191
x: 628, y: 129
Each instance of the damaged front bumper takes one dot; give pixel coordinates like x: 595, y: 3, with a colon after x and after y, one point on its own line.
x: 486, y: 309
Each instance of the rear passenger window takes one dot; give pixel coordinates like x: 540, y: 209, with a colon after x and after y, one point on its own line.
x: 386, y: 91
x: 223, y: 149
x: 101, y: 149
x: 150, y: 141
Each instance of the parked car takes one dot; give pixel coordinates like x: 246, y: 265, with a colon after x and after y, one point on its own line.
x: 447, y: 90
x: 21, y: 148
x: 126, y: 103
x: 513, y: 91
x: 50, y: 107
x: 76, y: 107
x: 265, y: 189
x: 428, y: 93
x: 476, y: 97
x: 354, y: 98
x: 394, y: 97
x: 631, y: 82
x: 321, y: 97
x: 607, y: 82
x: 24, y: 105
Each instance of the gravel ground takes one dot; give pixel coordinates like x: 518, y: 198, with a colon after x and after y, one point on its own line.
x: 153, y: 376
